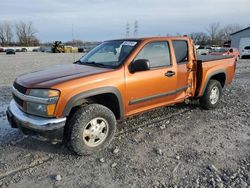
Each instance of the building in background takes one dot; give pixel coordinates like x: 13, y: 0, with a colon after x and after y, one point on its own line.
x: 241, y: 40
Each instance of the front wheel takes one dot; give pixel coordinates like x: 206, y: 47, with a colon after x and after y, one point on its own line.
x: 92, y: 129
x: 212, y: 95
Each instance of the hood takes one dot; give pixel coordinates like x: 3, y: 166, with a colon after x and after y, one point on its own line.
x: 57, y: 75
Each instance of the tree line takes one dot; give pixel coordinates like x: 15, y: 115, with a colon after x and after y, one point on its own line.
x: 18, y: 34
x: 215, y: 34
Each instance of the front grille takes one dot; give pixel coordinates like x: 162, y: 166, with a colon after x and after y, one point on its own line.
x: 20, y: 88
x: 18, y: 101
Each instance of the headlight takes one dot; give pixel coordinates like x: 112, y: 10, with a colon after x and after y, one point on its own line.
x: 43, y: 102
x: 44, y: 93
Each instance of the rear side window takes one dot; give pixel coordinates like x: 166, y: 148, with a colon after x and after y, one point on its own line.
x: 181, y: 51
x: 157, y: 53
x: 247, y: 48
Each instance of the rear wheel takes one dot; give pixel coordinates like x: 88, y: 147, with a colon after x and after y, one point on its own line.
x: 212, y: 95
x: 92, y: 128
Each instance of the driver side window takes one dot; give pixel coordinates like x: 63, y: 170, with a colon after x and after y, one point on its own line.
x: 157, y: 53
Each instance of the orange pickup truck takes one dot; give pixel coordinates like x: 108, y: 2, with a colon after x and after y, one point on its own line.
x: 80, y: 103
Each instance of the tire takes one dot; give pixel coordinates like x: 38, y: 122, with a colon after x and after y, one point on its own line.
x: 91, y: 129
x: 212, y: 95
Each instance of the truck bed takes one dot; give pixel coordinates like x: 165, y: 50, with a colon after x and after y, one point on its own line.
x: 206, y: 58
x: 210, y: 65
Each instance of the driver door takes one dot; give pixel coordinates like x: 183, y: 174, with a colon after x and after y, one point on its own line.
x: 155, y: 87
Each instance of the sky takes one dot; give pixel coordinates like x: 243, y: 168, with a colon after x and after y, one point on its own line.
x: 98, y: 20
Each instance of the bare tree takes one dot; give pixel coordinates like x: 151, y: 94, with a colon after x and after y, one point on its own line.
x: 213, y: 32
x: 6, y: 33
x: 75, y: 42
x: 225, y: 32
x: 26, y: 33
x: 199, y: 38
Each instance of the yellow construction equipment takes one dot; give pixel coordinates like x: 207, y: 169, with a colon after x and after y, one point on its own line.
x: 59, y: 47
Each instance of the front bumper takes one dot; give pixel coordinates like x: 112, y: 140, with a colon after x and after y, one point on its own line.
x: 48, y: 127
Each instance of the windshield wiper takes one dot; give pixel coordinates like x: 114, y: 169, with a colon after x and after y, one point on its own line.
x: 76, y: 62
x: 92, y: 63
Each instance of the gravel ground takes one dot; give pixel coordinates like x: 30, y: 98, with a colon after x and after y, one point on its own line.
x: 178, y: 146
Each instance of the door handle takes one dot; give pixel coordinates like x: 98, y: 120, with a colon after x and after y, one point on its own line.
x: 169, y: 73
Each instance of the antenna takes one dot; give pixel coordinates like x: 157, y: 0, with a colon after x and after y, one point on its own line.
x: 127, y: 30
x: 136, y: 26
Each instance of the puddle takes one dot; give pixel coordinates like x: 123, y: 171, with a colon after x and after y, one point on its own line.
x: 7, y: 134
x: 3, y: 117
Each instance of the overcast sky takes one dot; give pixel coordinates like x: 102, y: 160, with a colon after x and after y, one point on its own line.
x: 106, y: 19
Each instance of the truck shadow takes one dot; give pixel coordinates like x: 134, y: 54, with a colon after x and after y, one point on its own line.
x: 31, y: 144
x: 162, y: 114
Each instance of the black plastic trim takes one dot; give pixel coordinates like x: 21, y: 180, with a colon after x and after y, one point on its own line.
x: 79, y: 98
x: 211, y: 75
x: 135, y: 101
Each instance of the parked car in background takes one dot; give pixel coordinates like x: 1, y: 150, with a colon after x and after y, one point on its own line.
x: 42, y: 49
x: 24, y: 50
x: 203, y: 50
x: 82, y: 50
x: 1, y: 50
x: 245, y: 53
x: 10, y: 51
x: 226, y: 51
x: 215, y: 47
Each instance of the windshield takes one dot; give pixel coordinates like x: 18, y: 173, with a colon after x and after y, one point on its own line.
x: 109, y: 54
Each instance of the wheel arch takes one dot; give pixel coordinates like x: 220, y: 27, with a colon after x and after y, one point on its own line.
x: 219, y: 75
x: 107, y: 96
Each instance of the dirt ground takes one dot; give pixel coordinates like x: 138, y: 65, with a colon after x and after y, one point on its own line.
x: 178, y: 146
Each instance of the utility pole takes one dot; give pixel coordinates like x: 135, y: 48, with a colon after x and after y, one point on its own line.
x: 72, y: 32
x: 74, y: 55
x: 127, y: 30
x: 136, y: 26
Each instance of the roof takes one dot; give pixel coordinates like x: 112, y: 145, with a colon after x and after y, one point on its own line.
x: 150, y: 38
x: 240, y: 31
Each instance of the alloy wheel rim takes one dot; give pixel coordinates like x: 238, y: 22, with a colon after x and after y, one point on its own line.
x: 95, y: 132
x: 214, y: 96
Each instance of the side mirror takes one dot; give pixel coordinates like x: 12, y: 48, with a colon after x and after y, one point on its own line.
x: 139, y: 65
